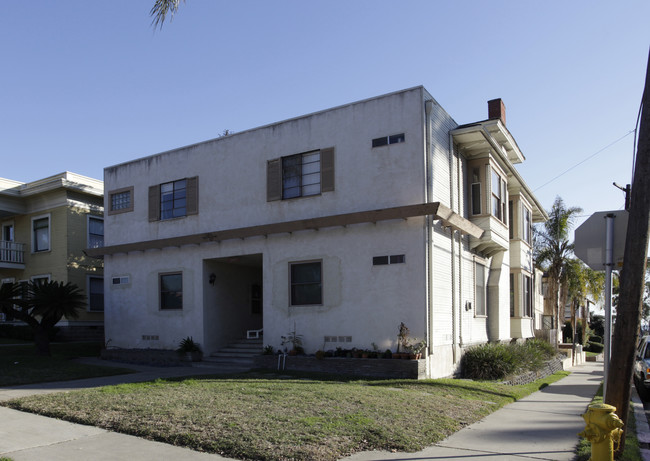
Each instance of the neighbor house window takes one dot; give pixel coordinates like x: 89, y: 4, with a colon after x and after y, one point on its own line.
x: 512, y: 295
x: 527, y: 294
x: 480, y: 292
x: 306, y: 283
x: 41, y: 234
x: 476, y: 191
x: 528, y: 226
x: 95, y: 294
x: 95, y: 232
x: 174, y: 199
x: 171, y: 291
x: 120, y: 200
x: 300, y: 175
x: 40, y: 279
x: 499, y: 202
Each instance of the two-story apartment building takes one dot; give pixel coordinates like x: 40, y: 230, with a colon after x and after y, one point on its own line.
x: 46, y: 226
x: 344, y: 223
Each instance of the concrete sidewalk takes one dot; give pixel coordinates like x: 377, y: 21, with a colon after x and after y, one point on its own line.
x: 543, y: 425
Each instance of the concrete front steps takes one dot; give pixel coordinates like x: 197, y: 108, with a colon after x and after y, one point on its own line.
x: 239, y: 353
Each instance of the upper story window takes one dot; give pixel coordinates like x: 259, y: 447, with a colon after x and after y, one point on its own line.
x: 41, y: 234
x: 499, y: 199
x: 528, y: 226
x: 174, y: 199
x: 120, y: 200
x: 476, y: 191
x: 392, y: 259
x: 95, y: 232
x: 300, y: 175
x: 385, y: 140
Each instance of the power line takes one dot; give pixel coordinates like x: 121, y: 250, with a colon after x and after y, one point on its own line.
x: 583, y: 161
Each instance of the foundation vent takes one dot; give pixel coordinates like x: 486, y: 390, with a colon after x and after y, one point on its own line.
x: 338, y: 339
x: 150, y: 337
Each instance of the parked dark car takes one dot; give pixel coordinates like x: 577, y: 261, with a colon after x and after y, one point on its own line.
x: 642, y: 368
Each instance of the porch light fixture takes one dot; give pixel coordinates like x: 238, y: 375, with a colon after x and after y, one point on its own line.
x: 212, y: 278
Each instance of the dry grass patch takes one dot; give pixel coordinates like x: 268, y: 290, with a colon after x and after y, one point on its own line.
x: 268, y: 417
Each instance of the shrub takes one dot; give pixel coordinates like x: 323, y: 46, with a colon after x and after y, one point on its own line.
x: 498, y: 361
x: 595, y: 339
x: 594, y: 347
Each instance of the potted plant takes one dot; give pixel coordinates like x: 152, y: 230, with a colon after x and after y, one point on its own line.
x: 416, y: 348
x: 190, y: 350
x: 295, y: 340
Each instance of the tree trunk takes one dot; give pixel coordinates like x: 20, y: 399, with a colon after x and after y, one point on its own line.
x: 630, y: 300
x: 42, y: 341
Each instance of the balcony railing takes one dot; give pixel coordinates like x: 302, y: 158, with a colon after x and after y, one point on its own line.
x: 12, y: 252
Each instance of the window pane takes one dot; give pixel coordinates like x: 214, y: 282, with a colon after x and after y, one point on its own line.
x: 171, y: 291
x: 96, y: 294
x: 476, y: 198
x: 397, y: 259
x: 496, y: 184
x: 379, y: 260
x: 41, y: 234
x: 306, y: 285
x: 313, y: 189
x: 306, y: 294
x: 306, y: 272
x: 396, y: 138
x: 121, y: 200
x: 96, y: 226
x: 377, y: 142
x: 480, y: 289
x: 167, y: 188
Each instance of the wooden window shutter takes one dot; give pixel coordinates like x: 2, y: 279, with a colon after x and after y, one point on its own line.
x: 192, y: 204
x: 154, y: 203
x: 327, y: 169
x: 274, y: 180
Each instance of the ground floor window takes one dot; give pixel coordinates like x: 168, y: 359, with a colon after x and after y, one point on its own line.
x: 171, y: 291
x: 306, y: 283
x: 480, y: 289
x: 96, y: 294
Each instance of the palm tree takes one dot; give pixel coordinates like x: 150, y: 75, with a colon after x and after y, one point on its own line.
x: 160, y: 10
x: 553, y: 251
x: 582, y: 283
x: 46, y: 304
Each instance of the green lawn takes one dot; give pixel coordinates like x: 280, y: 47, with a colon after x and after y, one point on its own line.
x: 269, y: 416
x: 21, y: 365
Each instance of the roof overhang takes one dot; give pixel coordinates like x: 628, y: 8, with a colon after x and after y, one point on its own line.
x: 436, y: 210
x: 475, y: 138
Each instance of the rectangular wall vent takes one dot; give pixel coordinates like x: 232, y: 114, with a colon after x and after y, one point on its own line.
x: 338, y: 339
x: 150, y: 337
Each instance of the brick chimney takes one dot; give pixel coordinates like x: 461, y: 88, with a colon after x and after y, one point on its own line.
x: 497, y: 109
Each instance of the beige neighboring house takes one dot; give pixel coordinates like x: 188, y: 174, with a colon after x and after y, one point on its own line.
x: 46, y: 226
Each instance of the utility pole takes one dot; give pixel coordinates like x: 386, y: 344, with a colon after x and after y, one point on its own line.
x: 628, y: 316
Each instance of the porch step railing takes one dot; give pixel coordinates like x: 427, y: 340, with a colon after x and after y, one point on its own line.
x: 12, y: 252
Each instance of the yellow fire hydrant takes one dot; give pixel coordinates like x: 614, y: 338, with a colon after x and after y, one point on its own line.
x: 603, y: 431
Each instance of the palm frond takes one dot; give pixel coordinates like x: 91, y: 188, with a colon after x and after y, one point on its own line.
x: 161, y: 9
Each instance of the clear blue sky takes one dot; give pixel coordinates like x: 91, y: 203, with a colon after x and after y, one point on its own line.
x: 86, y: 84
